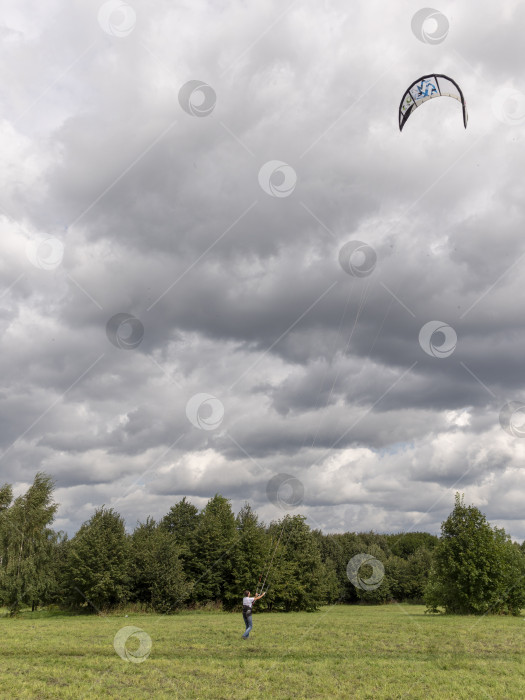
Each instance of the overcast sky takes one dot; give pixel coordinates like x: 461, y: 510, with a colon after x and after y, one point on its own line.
x: 222, y: 262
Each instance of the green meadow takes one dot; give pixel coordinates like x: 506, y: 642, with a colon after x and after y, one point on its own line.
x: 392, y: 651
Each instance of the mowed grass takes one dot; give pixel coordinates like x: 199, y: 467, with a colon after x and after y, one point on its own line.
x: 393, y: 651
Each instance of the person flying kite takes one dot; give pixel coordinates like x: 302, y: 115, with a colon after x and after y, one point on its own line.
x: 247, y: 603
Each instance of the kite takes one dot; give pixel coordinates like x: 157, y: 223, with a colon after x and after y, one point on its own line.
x: 425, y: 88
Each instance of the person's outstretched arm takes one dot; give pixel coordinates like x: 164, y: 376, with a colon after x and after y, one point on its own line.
x: 259, y: 596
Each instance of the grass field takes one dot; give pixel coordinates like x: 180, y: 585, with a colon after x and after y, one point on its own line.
x: 393, y: 651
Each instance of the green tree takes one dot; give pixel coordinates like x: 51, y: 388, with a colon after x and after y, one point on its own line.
x: 351, y: 544
x: 332, y: 588
x: 157, y: 576
x: 375, y: 539
x: 406, y: 543
x: 330, y: 547
x: 380, y: 592
x: 58, y: 593
x: 418, y: 570
x: 212, y: 557
x: 249, y: 553
x: 6, y: 497
x: 510, y: 598
x: 182, y: 522
x: 297, y: 576
x: 98, y: 562
x: 476, y: 569
x: 27, y: 574
x: 396, y: 575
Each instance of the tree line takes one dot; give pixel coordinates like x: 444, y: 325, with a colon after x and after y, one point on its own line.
x: 191, y: 558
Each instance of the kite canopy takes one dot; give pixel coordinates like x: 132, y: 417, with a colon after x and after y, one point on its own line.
x: 425, y: 88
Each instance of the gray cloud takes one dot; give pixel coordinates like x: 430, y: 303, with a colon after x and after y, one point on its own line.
x: 241, y: 295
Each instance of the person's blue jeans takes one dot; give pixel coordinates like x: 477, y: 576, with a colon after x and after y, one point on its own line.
x: 248, y: 622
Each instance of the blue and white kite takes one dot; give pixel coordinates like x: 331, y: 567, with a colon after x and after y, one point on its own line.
x: 425, y: 88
